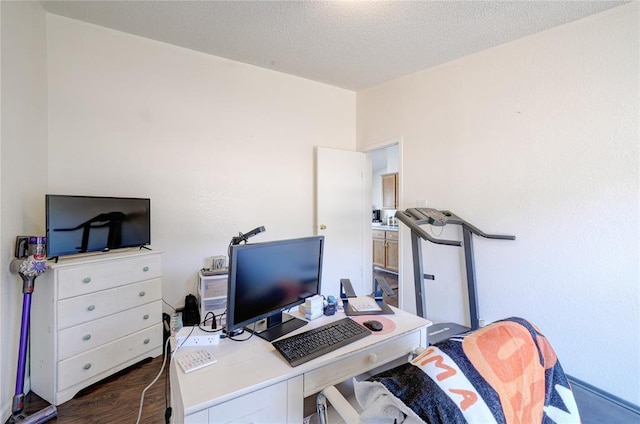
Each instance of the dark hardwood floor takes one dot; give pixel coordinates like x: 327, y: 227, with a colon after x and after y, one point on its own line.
x: 115, y: 399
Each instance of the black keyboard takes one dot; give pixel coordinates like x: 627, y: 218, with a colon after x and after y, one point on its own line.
x: 306, y: 346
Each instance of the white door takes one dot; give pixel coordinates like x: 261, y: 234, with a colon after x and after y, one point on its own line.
x: 343, y: 211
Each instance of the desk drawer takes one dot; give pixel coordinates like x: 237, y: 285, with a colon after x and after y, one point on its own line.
x: 81, y: 280
x: 360, y: 362
x: 268, y: 405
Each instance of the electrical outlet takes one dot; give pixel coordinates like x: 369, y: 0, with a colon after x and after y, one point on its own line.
x: 200, y: 341
x: 194, y: 336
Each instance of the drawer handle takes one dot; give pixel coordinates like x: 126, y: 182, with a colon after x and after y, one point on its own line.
x: 146, y: 316
x: 87, y: 337
x: 373, y: 358
x: 141, y: 294
x: 91, y: 307
x: 145, y: 269
x: 146, y: 341
x: 86, y: 280
x: 87, y: 366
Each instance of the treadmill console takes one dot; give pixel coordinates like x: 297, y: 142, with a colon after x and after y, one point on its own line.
x: 436, y: 217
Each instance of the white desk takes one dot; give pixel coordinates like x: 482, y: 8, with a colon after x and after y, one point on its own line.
x: 252, y: 382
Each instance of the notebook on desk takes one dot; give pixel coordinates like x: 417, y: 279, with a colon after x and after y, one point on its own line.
x: 362, y: 305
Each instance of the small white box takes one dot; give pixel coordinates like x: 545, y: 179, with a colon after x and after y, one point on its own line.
x: 308, y: 313
x: 313, y: 301
x: 312, y: 307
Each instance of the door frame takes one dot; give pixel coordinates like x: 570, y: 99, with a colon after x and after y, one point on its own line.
x: 369, y: 235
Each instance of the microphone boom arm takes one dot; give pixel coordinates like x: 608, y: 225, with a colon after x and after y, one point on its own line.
x: 244, y: 237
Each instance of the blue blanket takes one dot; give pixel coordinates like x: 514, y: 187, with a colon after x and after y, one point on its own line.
x: 506, y: 372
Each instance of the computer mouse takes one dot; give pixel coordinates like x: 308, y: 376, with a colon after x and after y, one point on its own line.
x: 373, y: 325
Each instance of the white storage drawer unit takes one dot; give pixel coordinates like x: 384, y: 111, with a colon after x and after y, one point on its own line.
x: 212, y: 296
x: 92, y: 316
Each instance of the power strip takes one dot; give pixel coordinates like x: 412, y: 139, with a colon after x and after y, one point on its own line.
x: 194, y: 336
x: 176, y: 323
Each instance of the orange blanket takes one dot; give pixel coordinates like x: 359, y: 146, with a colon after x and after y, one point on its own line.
x: 506, y: 372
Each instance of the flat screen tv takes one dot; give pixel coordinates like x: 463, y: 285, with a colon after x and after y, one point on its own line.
x: 267, y: 278
x: 81, y: 224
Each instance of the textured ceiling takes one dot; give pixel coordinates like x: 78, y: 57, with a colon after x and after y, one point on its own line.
x: 348, y: 44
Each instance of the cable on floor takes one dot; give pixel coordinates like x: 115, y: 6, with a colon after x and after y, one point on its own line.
x: 164, y: 361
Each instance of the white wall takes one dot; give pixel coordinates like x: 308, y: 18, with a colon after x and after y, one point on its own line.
x: 219, y: 146
x: 536, y: 138
x: 23, y: 165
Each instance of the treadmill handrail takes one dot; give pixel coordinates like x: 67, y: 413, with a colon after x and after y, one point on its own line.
x: 414, y: 217
x: 415, y: 227
x: 475, y: 230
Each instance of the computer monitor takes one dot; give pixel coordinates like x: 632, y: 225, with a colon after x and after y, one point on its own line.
x: 267, y: 278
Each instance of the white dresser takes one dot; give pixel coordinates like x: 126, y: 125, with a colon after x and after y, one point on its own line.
x: 92, y: 316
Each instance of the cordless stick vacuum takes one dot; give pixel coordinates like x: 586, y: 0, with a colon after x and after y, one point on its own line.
x: 30, y: 262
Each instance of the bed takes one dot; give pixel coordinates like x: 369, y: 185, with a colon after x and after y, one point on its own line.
x: 506, y: 372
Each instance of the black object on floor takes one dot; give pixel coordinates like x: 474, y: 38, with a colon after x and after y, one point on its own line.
x: 596, y: 406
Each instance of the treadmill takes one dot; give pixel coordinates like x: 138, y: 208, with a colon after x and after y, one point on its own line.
x: 414, y: 218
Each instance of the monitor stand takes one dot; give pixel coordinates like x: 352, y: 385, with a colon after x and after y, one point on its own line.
x: 276, y: 327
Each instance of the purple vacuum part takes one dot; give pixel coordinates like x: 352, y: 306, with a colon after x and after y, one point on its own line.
x: 28, y: 269
x: 24, y: 339
x: 39, y: 417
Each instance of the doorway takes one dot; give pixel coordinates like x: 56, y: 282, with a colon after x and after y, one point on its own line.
x: 385, y: 199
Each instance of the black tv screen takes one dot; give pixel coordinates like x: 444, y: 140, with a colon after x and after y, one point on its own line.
x: 80, y: 224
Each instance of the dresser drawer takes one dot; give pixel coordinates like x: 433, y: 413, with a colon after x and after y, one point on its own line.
x: 85, y: 279
x: 78, y: 310
x: 139, y: 293
x: 87, y: 336
x: 338, y: 371
x: 93, y: 362
x: 81, y: 309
